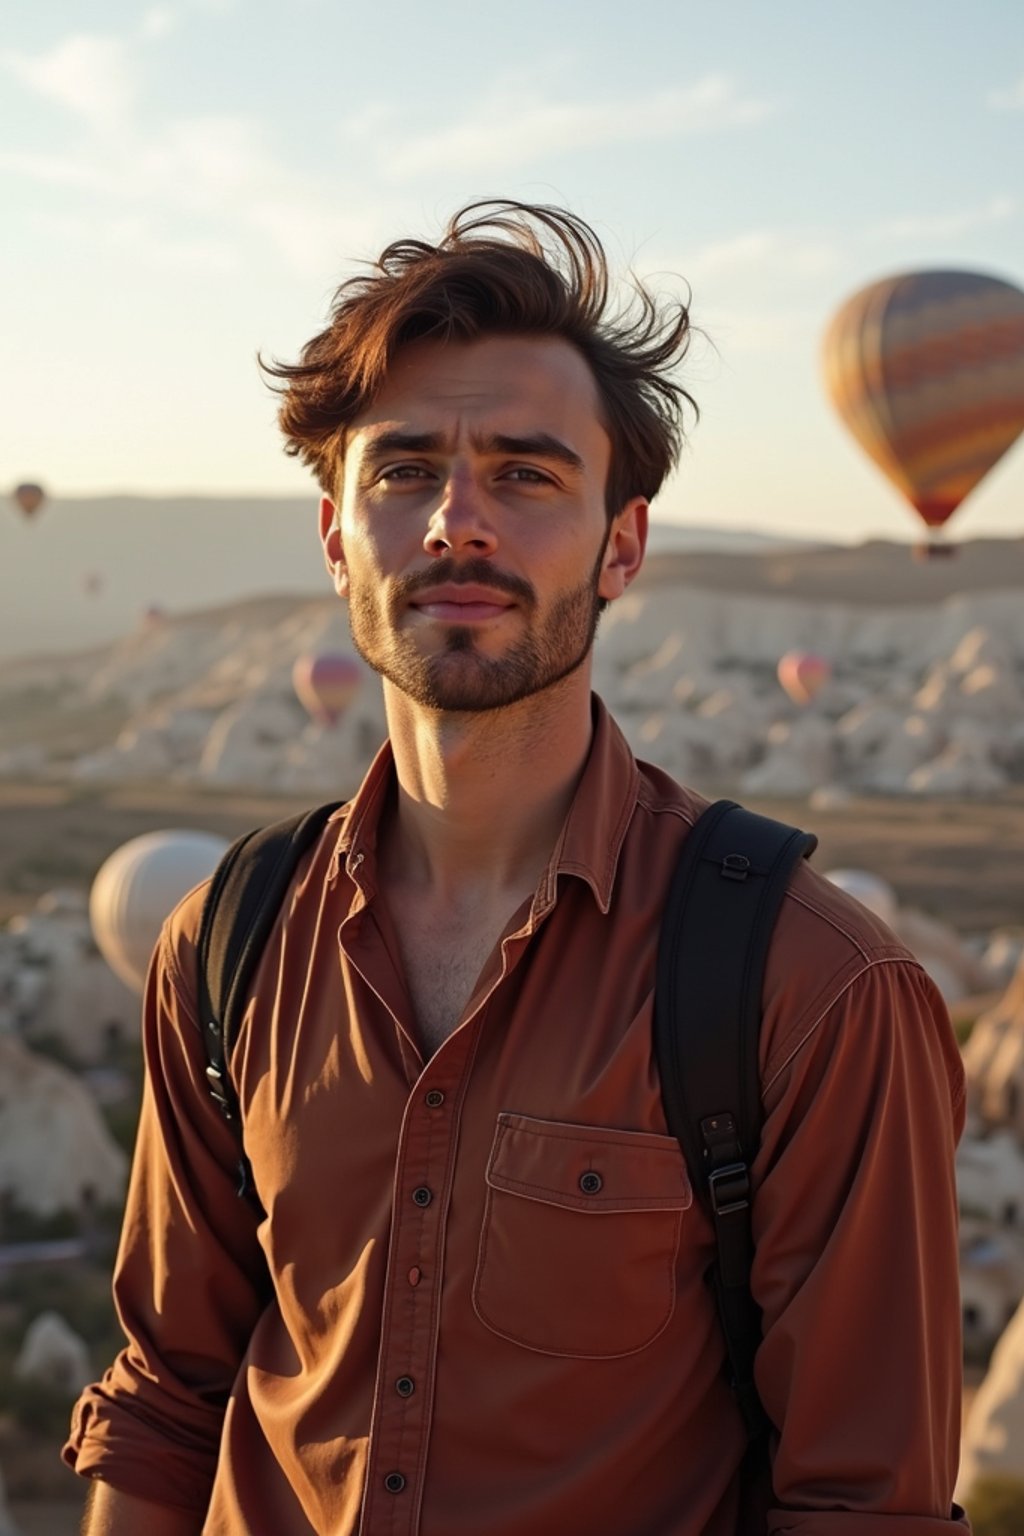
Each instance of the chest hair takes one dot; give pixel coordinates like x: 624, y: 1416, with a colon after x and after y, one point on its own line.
x: 442, y: 962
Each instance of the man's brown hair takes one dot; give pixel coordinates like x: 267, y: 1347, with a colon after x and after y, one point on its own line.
x: 500, y: 268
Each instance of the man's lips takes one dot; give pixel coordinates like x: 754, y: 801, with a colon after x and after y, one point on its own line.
x: 462, y: 604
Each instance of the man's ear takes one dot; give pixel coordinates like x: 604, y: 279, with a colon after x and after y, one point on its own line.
x: 334, y: 550
x: 624, y: 551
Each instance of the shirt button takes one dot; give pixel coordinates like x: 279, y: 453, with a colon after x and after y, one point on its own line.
x: 434, y: 1099
x: 590, y: 1183
x: 405, y: 1386
x: 415, y: 1275
x: 422, y: 1196
x: 394, y: 1482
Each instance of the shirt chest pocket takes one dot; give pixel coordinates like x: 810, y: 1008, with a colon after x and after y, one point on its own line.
x: 580, y: 1235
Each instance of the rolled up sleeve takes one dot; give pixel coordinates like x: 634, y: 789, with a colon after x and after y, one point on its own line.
x: 190, y: 1277
x: 855, y: 1220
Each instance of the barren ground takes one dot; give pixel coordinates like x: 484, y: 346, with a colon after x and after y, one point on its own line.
x: 962, y: 861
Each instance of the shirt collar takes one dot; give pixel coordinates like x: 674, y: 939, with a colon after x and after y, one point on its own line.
x: 593, y: 831
x: 592, y: 834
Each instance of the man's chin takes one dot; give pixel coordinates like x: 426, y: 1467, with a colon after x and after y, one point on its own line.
x: 445, y: 692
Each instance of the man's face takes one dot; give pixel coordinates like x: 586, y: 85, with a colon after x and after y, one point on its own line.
x: 474, y: 546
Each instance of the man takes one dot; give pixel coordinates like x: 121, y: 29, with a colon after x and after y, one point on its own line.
x: 477, y: 1300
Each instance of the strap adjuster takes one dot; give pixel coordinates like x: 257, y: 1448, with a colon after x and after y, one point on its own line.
x: 215, y: 1083
x: 730, y: 1188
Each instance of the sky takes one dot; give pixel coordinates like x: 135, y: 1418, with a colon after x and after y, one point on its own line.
x: 185, y: 183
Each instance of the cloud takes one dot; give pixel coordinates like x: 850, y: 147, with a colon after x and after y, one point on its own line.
x: 782, y: 331
x: 144, y: 242
x: 202, y: 187
x: 1010, y: 99
x: 946, y: 225
x: 91, y: 75
x: 502, y: 130
x: 72, y: 170
x: 159, y: 21
x: 763, y: 252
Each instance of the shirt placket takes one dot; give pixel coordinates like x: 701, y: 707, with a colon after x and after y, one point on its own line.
x: 405, y: 1372
x: 403, y: 1399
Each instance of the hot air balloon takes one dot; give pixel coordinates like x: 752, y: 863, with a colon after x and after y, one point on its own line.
x: 326, y: 684
x: 870, y: 890
x: 29, y: 497
x: 927, y: 372
x: 803, y: 675
x: 140, y: 883
x: 92, y: 583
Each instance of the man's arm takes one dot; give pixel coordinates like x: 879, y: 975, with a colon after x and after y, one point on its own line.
x: 109, y: 1512
x: 856, y: 1268
x: 190, y: 1282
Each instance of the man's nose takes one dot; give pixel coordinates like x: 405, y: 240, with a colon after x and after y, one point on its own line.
x: 460, y: 523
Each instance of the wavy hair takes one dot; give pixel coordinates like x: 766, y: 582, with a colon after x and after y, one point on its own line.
x: 500, y: 268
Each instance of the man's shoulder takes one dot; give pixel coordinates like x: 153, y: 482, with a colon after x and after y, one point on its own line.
x: 816, y: 916
x: 659, y: 794
x: 823, y: 939
x: 177, y: 947
x: 824, y: 947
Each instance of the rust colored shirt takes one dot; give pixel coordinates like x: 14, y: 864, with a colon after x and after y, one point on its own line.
x: 442, y: 1328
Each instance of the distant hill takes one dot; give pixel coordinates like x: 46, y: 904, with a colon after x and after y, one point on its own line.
x: 83, y: 571
x: 876, y: 574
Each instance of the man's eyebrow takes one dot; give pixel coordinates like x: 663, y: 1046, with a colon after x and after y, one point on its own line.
x: 537, y: 445
x: 393, y: 441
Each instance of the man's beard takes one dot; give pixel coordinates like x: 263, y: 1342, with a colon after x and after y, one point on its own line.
x: 459, y: 678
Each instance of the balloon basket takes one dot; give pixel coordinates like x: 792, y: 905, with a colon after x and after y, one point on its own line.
x: 933, y: 551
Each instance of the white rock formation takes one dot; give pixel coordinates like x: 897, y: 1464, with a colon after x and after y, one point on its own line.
x: 55, y: 986
x: 990, y: 1178
x: 964, y: 768
x: 799, y: 757
x: 1003, y: 953
x: 994, y: 1061
x: 955, y: 970
x: 54, y: 1354
x: 991, y: 1281
x: 993, y: 1440
x: 56, y: 1153
x: 924, y: 700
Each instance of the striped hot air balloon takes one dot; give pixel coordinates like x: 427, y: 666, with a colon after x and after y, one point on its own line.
x: 326, y: 683
x: 927, y: 372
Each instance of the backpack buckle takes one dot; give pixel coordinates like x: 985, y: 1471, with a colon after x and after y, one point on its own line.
x: 730, y: 1188
x: 215, y: 1083
x: 735, y: 866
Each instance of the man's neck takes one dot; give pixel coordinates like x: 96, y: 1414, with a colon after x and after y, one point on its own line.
x: 482, y: 797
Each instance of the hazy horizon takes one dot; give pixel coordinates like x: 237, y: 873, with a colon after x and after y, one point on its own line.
x: 85, y: 569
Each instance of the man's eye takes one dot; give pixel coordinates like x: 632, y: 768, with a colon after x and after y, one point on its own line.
x: 404, y: 472
x: 528, y: 476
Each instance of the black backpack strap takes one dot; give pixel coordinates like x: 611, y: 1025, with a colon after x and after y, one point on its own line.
x: 242, y: 904
x: 718, y: 921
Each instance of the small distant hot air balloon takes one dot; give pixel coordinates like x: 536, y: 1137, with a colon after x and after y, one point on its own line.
x: 29, y: 497
x: 927, y: 372
x: 803, y: 675
x: 92, y: 583
x: 326, y: 683
x: 153, y: 616
x: 140, y: 883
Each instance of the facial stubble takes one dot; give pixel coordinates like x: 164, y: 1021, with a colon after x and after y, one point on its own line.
x: 459, y: 677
